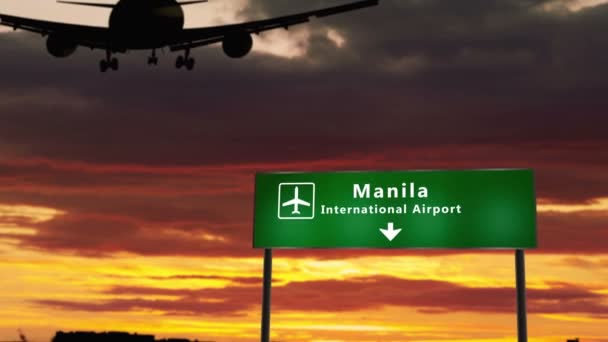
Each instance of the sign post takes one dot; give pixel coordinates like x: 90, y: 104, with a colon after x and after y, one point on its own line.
x: 468, y: 209
x: 266, y: 295
x: 520, y: 285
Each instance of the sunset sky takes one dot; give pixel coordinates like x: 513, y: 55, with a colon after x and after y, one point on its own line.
x: 126, y: 199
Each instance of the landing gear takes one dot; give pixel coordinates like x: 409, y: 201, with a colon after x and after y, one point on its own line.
x: 108, y: 63
x: 105, y: 65
x: 185, y: 60
x: 153, y: 60
x: 190, y: 63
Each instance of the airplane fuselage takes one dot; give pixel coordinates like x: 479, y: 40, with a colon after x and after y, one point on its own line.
x: 145, y: 24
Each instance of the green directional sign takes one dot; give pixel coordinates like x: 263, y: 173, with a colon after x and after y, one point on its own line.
x: 409, y: 209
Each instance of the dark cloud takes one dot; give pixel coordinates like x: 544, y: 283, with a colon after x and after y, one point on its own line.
x: 243, y: 281
x: 412, y: 73
x: 558, y: 233
x: 170, y: 307
x: 583, y: 232
x: 428, y: 296
x: 99, y: 237
x: 208, y: 210
x: 565, y: 171
x: 164, y: 155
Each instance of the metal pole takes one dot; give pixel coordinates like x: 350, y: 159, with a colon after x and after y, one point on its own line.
x: 520, y: 283
x: 266, y: 295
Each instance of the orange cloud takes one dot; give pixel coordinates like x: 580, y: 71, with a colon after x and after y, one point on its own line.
x: 354, y: 294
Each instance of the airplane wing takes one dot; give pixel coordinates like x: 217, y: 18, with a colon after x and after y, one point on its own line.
x: 88, y: 36
x: 100, y: 38
x: 304, y: 203
x: 196, y: 37
x: 288, y: 203
x: 296, y: 201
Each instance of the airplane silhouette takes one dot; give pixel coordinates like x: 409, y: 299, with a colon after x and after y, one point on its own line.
x: 296, y: 202
x: 154, y: 24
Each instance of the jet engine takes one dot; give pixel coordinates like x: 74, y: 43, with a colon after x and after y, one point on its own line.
x: 60, y: 46
x: 237, y: 44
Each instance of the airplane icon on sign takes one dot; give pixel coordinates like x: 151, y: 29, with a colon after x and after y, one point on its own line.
x: 296, y: 202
